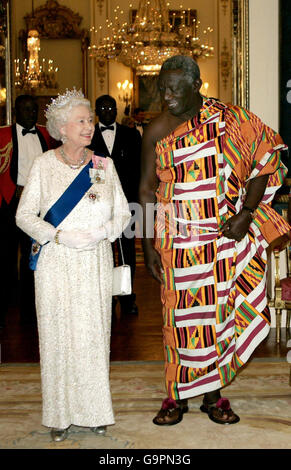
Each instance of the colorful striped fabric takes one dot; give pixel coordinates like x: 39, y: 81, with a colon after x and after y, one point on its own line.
x: 214, y: 292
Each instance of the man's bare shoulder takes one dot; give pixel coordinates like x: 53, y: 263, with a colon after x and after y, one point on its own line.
x: 159, y: 127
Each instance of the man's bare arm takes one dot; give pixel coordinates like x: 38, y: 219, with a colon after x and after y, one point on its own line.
x: 147, y: 190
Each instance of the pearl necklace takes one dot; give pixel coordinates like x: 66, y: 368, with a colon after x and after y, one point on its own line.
x: 69, y: 162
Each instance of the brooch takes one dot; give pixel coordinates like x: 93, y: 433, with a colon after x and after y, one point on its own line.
x: 35, y: 247
x: 93, y: 197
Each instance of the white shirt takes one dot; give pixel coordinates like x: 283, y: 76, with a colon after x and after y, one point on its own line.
x: 139, y: 127
x: 29, y: 147
x: 108, y: 136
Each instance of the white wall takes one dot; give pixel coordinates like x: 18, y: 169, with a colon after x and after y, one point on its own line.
x: 264, y: 60
x: 264, y: 77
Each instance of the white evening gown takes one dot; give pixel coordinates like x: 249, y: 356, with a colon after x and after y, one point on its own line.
x: 73, y: 294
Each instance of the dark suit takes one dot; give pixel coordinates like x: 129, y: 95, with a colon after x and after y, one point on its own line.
x: 126, y: 157
x: 11, y: 237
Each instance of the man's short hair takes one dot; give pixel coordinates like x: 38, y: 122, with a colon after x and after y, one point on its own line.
x: 186, y: 63
x: 21, y: 98
x: 100, y: 99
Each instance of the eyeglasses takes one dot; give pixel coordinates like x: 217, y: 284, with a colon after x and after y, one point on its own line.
x: 107, y: 108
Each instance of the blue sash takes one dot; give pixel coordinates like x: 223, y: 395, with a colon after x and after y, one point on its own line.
x: 62, y: 207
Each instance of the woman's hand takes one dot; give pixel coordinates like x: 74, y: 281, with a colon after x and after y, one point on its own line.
x: 237, y: 227
x: 74, y: 238
x: 96, y: 235
x: 79, y: 239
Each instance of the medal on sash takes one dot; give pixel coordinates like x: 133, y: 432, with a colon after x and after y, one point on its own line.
x: 97, y: 173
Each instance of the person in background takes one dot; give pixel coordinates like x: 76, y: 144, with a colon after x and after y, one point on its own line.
x: 73, y: 207
x: 123, y: 145
x: 214, y: 170
x: 128, y: 121
x: 19, y: 145
x: 139, y: 117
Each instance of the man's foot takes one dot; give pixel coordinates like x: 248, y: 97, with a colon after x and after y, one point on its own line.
x: 171, y: 412
x: 220, y: 412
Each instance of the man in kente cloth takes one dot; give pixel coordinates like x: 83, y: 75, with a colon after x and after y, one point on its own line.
x: 213, y: 170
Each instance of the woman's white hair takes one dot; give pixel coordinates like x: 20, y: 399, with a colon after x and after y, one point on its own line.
x: 60, y: 109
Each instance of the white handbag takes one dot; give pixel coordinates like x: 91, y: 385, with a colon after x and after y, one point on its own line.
x: 121, y: 284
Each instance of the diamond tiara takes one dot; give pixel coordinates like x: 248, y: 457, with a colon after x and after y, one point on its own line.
x: 62, y: 100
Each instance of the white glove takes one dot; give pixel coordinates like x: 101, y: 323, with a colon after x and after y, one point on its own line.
x: 95, y: 235
x: 98, y: 234
x: 82, y: 240
x: 75, y: 238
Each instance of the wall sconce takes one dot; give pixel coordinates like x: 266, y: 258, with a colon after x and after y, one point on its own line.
x: 204, y: 88
x: 125, y: 94
x: 2, y: 95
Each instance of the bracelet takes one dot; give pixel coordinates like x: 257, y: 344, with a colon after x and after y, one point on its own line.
x: 57, y: 241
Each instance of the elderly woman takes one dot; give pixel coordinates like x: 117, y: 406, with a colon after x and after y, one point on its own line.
x: 73, y: 207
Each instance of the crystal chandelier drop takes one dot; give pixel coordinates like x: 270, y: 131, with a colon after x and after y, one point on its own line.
x: 151, y: 38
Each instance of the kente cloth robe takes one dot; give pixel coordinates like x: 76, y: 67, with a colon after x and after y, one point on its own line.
x: 214, y: 299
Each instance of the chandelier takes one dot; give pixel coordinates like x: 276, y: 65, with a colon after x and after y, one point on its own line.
x: 151, y: 38
x: 34, y: 74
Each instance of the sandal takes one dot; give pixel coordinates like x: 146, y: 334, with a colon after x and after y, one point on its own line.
x: 217, y: 410
x: 171, y: 412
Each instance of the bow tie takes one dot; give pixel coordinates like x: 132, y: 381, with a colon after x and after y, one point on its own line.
x: 28, y: 131
x: 108, y: 128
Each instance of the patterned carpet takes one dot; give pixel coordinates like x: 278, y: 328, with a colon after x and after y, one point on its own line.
x: 261, y: 395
